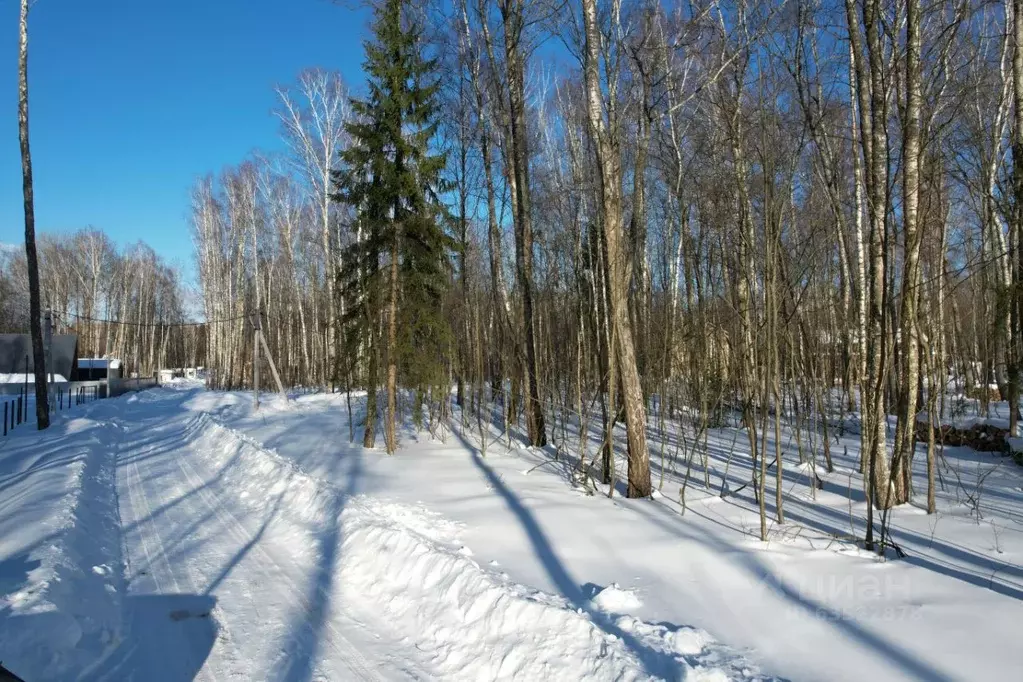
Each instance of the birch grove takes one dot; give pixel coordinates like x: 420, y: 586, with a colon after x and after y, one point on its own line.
x: 787, y: 216
x: 785, y: 212
x: 124, y: 303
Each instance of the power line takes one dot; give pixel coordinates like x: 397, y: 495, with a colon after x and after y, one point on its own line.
x: 86, y: 318
x: 21, y: 307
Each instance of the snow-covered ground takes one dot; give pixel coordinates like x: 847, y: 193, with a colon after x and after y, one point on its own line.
x: 178, y: 533
x: 26, y: 379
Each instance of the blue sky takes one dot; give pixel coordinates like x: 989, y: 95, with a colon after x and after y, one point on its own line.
x: 132, y: 100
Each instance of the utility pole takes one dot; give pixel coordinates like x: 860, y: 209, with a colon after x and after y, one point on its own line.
x: 258, y: 342
x: 255, y: 358
x: 273, y: 367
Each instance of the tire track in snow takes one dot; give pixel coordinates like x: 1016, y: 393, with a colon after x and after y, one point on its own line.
x: 348, y: 654
x: 215, y: 659
x: 206, y: 671
x: 137, y: 496
x: 409, y: 667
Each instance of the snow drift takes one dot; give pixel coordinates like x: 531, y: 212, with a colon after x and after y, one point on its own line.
x: 405, y: 566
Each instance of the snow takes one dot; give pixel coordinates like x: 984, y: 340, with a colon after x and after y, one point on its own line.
x: 22, y: 378
x: 178, y: 533
x: 966, y: 421
x: 99, y: 363
x: 808, y: 604
x: 58, y: 519
x: 614, y: 599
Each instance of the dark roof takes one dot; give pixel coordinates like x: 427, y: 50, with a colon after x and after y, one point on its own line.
x: 14, y: 348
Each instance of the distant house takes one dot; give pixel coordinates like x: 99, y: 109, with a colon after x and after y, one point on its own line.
x: 16, y: 354
x: 97, y: 369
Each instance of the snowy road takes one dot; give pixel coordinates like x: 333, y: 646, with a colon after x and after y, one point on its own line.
x: 220, y: 590
x: 180, y: 534
x: 151, y: 537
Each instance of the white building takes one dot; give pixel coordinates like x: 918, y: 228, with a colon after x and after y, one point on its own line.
x: 95, y: 369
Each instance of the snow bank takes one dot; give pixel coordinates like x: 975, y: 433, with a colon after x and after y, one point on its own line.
x: 614, y: 599
x: 22, y: 378
x: 405, y: 566
x: 476, y: 626
x: 261, y: 474
x: 65, y: 612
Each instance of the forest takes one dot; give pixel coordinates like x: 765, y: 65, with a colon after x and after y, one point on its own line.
x: 525, y: 340
x: 616, y: 214
x: 122, y: 302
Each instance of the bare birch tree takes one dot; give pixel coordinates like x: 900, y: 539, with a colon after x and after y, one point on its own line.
x: 35, y: 302
x: 313, y: 118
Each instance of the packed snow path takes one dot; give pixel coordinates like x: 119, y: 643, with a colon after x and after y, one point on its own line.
x: 180, y: 534
x: 219, y: 588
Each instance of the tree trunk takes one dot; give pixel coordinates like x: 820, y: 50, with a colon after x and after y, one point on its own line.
x: 638, y: 221
x: 873, y: 140
x: 35, y: 303
x: 1016, y: 297
x: 390, y: 436
x: 906, y: 429
x: 609, y: 163
x: 512, y: 12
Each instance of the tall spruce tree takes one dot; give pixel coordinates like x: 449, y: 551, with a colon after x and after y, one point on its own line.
x: 397, y: 272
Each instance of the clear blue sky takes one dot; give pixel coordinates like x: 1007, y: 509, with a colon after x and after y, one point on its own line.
x: 132, y: 100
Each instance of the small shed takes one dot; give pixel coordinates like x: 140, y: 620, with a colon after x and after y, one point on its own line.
x: 97, y: 369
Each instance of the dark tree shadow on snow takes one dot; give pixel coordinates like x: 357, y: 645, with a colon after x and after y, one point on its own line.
x: 309, y: 625
x: 167, y: 637
x: 654, y: 662
x: 659, y: 663
x: 762, y: 574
